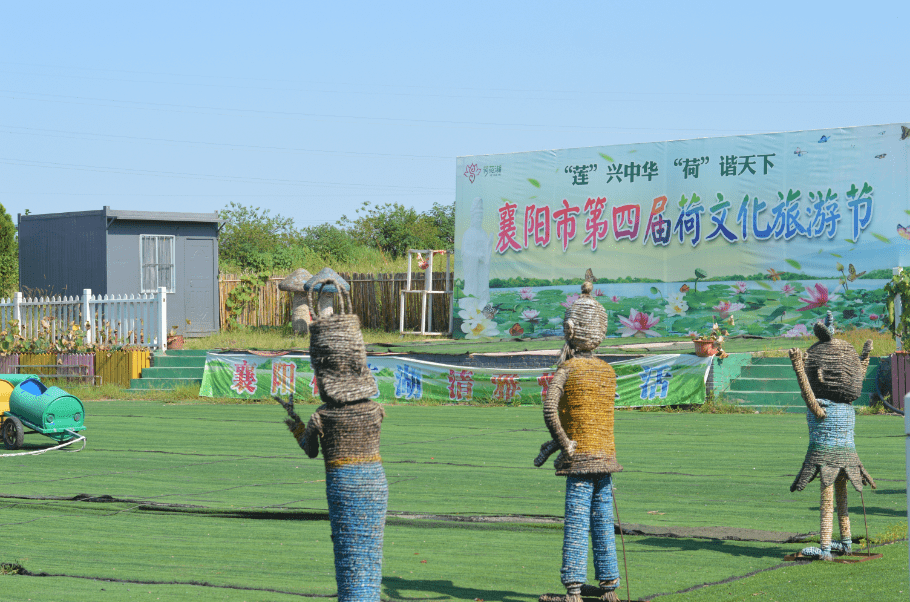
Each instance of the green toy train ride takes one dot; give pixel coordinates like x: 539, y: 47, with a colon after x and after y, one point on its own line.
x: 49, y: 411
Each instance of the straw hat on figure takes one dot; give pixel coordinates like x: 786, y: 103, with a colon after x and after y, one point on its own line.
x: 830, y: 376
x: 578, y: 412
x: 347, y: 427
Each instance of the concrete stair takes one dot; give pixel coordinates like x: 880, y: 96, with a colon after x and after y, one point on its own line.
x: 769, y: 382
x: 172, y: 369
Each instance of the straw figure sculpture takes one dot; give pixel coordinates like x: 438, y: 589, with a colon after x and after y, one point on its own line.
x: 578, y: 412
x: 830, y: 376
x: 347, y: 428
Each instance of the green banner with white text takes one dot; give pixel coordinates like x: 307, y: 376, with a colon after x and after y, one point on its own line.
x: 655, y: 380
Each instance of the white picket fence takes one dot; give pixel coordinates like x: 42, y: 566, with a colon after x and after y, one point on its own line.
x: 116, y: 319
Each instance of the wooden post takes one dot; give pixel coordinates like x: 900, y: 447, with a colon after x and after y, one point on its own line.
x: 87, y: 316
x: 17, y: 309
x: 162, y: 318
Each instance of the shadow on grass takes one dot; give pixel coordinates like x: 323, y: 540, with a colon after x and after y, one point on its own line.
x: 731, y: 548
x: 394, y: 588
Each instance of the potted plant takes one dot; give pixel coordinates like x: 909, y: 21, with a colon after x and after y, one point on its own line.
x: 174, y: 340
x: 711, y: 343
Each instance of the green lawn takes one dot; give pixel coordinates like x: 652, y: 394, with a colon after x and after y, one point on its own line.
x: 216, y: 502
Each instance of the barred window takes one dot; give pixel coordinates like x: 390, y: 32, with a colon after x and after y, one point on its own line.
x: 157, y: 256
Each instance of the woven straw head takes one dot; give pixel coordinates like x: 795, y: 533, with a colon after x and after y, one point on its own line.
x: 339, y: 358
x: 585, y: 323
x: 833, y: 367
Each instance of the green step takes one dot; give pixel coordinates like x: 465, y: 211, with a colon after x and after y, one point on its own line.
x: 184, y: 361
x: 172, y: 369
x: 161, y: 384
x: 769, y: 385
x: 769, y: 382
x: 184, y: 372
x: 764, y: 371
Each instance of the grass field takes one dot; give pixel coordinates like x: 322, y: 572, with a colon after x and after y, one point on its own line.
x: 200, y: 501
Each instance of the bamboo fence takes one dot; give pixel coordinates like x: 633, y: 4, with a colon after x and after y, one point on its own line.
x: 375, y: 297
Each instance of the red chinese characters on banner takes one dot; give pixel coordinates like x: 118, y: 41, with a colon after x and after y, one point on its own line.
x: 626, y: 219
x: 461, y: 385
x: 537, y: 229
x: 658, y: 228
x: 507, y: 387
x: 537, y: 223
x: 284, y: 377
x: 507, y: 229
x: 596, y: 226
x: 244, y: 378
x: 544, y: 381
x: 314, y: 385
x: 565, y: 223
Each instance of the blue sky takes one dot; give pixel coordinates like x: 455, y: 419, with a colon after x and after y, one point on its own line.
x: 311, y: 109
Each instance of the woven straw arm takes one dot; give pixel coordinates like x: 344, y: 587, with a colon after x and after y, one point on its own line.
x: 551, y: 411
x: 310, y: 440
x: 796, y: 358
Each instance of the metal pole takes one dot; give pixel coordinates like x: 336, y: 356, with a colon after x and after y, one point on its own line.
x: 622, y: 540
x: 898, y: 308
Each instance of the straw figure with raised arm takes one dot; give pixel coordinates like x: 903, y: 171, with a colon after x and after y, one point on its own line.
x: 830, y: 376
x: 578, y: 411
x: 347, y: 427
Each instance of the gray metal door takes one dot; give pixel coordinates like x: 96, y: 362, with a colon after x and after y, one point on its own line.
x: 200, y: 307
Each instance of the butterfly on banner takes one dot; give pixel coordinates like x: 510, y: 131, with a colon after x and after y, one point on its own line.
x: 490, y: 311
x: 852, y: 274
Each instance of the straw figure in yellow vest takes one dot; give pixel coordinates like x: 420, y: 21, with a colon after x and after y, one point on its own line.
x: 578, y: 412
x: 830, y: 376
x: 347, y: 427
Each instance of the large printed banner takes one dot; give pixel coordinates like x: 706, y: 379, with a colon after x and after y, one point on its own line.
x: 775, y: 229
x: 648, y: 381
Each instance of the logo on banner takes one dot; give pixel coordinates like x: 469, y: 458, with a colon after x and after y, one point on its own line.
x: 471, y: 172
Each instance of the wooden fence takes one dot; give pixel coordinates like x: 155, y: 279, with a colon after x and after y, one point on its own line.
x: 375, y: 297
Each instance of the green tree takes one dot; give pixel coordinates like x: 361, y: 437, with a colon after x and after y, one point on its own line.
x: 252, y: 238
x: 9, y: 255
x: 329, y: 242
x: 393, y: 228
x: 443, y: 217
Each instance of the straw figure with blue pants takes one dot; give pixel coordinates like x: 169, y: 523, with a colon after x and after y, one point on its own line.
x: 578, y: 411
x: 830, y: 376
x: 347, y: 427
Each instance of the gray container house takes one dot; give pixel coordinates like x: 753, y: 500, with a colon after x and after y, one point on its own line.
x: 117, y: 252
